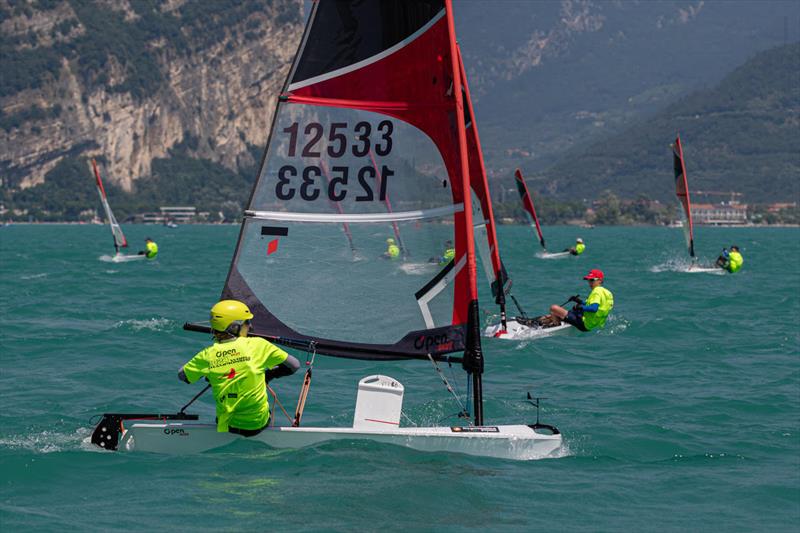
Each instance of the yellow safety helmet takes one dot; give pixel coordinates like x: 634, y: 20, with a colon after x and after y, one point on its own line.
x: 389, y: 241
x: 226, y: 312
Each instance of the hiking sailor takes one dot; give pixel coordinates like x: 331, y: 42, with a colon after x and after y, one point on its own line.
x: 392, y: 250
x: 730, y: 260
x: 150, y: 249
x: 448, y: 255
x: 578, y: 248
x: 238, y: 368
x: 593, y: 313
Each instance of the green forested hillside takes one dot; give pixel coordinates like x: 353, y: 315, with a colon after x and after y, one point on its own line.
x: 742, y: 135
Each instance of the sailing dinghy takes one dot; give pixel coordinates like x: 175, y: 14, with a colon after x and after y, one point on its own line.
x: 381, y: 76
x: 682, y: 192
x: 533, y: 220
x: 520, y: 327
x: 116, y: 231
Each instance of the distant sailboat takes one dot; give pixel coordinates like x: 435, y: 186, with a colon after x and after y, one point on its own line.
x: 533, y: 220
x: 682, y: 192
x: 116, y: 231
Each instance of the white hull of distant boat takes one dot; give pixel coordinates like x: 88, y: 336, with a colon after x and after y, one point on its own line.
x: 694, y: 269
x: 121, y: 258
x: 506, y: 442
x: 516, y: 331
x: 556, y: 255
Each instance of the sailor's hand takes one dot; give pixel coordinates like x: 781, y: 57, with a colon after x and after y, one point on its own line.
x: 578, y: 308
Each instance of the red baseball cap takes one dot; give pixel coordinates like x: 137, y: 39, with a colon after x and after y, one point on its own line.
x: 594, y: 274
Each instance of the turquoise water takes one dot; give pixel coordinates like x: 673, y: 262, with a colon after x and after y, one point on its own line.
x: 682, y: 414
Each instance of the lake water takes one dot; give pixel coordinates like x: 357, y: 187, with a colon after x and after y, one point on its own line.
x: 682, y: 414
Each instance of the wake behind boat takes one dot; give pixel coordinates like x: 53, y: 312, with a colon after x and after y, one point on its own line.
x: 121, y: 258
x: 554, y: 255
x: 386, y: 81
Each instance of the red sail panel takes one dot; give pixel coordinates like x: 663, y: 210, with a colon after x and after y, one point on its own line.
x: 527, y: 204
x: 682, y: 192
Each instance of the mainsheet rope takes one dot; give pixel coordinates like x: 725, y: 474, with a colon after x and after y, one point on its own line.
x: 447, y: 385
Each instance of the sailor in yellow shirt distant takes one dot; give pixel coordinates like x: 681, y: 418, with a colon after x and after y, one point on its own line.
x: 150, y: 249
x: 238, y: 368
x: 730, y: 260
x: 578, y: 248
x: 392, y: 250
x: 593, y: 313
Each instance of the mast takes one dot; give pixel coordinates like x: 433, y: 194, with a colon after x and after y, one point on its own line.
x: 480, y: 183
x: 473, y: 355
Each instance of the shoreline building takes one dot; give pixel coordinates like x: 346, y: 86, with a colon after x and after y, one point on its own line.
x: 723, y: 214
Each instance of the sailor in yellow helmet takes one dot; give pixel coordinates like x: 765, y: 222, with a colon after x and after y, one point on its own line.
x: 150, y: 249
x: 593, y: 313
x: 730, y: 260
x: 578, y: 248
x: 392, y: 250
x: 238, y: 368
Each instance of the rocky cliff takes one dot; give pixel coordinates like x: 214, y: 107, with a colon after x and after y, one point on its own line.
x: 130, y: 81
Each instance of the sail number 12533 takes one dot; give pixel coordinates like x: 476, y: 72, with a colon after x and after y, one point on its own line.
x: 367, y: 183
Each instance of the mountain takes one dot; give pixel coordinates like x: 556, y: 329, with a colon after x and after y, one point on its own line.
x: 171, y: 94
x: 132, y: 81
x: 742, y: 135
x: 551, y: 76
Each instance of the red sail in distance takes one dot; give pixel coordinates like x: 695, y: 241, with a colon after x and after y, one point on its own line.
x: 682, y: 191
x: 527, y: 204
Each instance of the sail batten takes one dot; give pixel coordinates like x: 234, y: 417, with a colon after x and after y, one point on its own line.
x: 336, y: 218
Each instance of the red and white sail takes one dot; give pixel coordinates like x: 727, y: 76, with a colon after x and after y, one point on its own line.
x: 376, y: 91
x: 682, y: 192
x: 116, y: 231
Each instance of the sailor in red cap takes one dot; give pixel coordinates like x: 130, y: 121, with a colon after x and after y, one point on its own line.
x: 593, y: 313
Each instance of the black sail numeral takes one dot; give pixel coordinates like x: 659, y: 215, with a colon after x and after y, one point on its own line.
x: 362, y: 140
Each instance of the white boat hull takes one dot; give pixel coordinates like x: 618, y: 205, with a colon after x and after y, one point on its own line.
x: 694, y: 269
x: 122, y: 258
x: 516, y: 331
x: 518, y: 442
x: 557, y: 255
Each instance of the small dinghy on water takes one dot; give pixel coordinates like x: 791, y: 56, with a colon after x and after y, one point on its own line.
x: 116, y: 231
x: 682, y: 192
x: 533, y: 220
x: 388, y: 79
